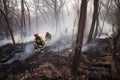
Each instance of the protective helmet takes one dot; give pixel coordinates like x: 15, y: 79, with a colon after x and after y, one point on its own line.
x: 35, y: 35
x: 47, y: 32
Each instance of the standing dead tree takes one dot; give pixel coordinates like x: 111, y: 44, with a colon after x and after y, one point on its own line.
x: 107, y: 6
x: 7, y: 20
x: 95, y: 15
x: 23, y: 24
x: 29, y: 18
x: 115, y: 40
x: 79, y: 41
x: 55, y: 7
x: 115, y: 37
x: 36, y: 5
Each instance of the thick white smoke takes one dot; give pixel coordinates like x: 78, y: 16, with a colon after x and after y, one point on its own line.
x: 27, y: 52
x: 63, y: 38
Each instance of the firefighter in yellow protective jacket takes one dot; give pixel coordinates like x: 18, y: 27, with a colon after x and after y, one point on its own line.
x: 39, y: 43
x: 48, y: 36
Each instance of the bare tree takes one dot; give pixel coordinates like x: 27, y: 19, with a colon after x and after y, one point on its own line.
x: 79, y: 41
x: 107, y: 6
x: 55, y: 7
x: 115, y: 40
x: 7, y: 20
x: 29, y: 19
x: 23, y: 23
x: 95, y: 15
x: 36, y: 4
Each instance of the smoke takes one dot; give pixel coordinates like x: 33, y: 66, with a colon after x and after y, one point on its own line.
x: 27, y: 52
x: 62, y: 39
x: 65, y: 26
x: 61, y: 43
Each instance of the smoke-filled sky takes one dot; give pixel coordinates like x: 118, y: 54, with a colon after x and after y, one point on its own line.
x: 66, y: 22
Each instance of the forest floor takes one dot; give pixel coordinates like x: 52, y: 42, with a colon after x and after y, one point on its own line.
x: 95, y: 64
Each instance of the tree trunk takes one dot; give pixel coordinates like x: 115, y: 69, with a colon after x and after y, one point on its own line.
x: 28, y: 16
x: 36, y: 19
x: 114, y: 58
x: 7, y: 21
x: 23, y: 23
x: 95, y: 15
x: 96, y: 29
x: 79, y: 41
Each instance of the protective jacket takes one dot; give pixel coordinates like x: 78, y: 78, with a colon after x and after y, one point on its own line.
x: 48, y: 36
x: 39, y: 40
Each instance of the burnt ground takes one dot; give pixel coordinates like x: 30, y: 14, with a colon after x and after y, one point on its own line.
x: 95, y: 64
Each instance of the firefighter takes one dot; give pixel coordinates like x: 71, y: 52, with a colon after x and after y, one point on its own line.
x: 39, y: 43
x: 48, y: 36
